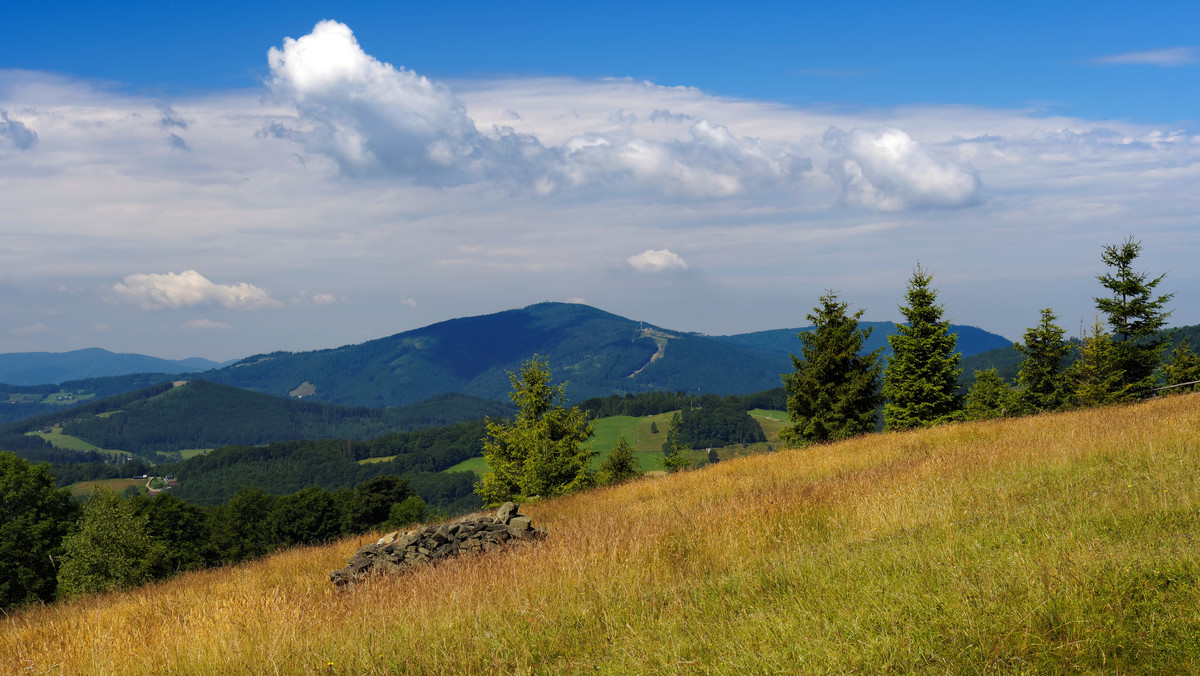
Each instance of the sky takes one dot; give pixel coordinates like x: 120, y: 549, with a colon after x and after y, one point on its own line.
x: 221, y: 180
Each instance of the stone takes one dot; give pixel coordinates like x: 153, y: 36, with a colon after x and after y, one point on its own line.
x: 507, y: 511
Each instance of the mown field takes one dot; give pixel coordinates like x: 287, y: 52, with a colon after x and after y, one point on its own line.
x: 1052, y: 544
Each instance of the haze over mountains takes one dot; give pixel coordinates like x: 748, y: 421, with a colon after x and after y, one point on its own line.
x: 597, y: 352
x: 40, y: 368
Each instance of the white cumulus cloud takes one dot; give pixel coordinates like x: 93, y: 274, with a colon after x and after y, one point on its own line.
x: 888, y: 170
x: 188, y: 289
x: 657, y: 260
x: 376, y: 119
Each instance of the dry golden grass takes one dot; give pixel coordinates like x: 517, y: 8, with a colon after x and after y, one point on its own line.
x: 1047, y: 544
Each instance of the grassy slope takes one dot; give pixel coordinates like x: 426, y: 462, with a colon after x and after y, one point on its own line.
x: 1055, y: 543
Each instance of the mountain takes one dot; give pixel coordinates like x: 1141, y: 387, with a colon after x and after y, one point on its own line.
x: 971, y: 340
x: 597, y: 352
x: 38, y: 368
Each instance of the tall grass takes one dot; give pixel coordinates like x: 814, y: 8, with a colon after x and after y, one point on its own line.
x: 1057, y: 543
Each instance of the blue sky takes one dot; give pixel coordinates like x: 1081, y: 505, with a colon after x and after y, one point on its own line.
x: 171, y: 189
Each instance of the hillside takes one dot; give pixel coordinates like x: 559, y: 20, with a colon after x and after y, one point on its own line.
x: 39, y: 368
x: 1051, y: 544
x: 200, y: 414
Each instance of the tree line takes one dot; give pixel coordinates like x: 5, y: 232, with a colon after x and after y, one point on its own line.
x: 53, y: 546
x: 835, y: 389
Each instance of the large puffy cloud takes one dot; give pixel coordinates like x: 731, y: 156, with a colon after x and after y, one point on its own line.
x: 370, y: 116
x: 889, y: 171
x: 657, y: 260
x: 188, y: 289
x: 375, y: 119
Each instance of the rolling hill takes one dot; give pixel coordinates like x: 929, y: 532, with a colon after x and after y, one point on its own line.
x: 201, y: 414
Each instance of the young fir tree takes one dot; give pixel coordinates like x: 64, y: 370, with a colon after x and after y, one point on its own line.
x: 920, y: 382
x: 989, y: 397
x: 673, y: 457
x: 1096, y: 376
x: 1135, y: 317
x: 620, y: 465
x: 541, y: 452
x: 1042, y: 384
x: 1183, y: 366
x: 834, y: 390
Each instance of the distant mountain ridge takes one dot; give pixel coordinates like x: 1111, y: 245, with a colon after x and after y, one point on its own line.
x: 597, y: 352
x: 40, y: 368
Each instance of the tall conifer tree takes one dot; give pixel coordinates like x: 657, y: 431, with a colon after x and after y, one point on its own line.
x: 920, y: 383
x: 834, y: 390
x: 1135, y: 317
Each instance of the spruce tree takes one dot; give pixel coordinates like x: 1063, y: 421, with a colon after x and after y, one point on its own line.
x: 989, y: 397
x: 1096, y: 376
x: 673, y: 458
x: 1042, y: 384
x: 1135, y: 316
x: 920, y: 382
x: 541, y: 452
x: 620, y: 465
x: 1183, y: 366
x: 834, y: 390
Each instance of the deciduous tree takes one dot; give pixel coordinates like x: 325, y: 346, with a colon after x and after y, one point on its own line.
x: 920, y: 382
x: 34, y: 517
x: 834, y: 391
x: 108, y: 549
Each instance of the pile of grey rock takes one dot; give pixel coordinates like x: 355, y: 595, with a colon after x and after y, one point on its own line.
x: 396, y: 552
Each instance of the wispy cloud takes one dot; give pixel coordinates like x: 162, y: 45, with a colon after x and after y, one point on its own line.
x: 1169, y: 57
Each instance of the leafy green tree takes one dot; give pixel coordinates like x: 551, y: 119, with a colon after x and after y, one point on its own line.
x: 1183, y: 366
x: 1043, y: 386
x: 920, y: 382
x: 620, y: 465
x: 241, y: 528
x: 834, y: 390
x: 1097, y: 375
x: 674, y: 459
x: 989, y: 397
x: 179, y: 533
x: 541, y: 452
x: 108, y: 549
x: 370, y: 503
x: 713, y: 456
x: 411, y: 510
x: 306, y: 517
x: 34, y: 518
x: 1135, y: 316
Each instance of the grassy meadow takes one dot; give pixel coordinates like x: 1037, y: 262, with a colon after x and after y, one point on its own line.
x: 1050, y: 544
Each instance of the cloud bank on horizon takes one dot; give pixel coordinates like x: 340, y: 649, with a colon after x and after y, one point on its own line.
x: 377, y: 199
